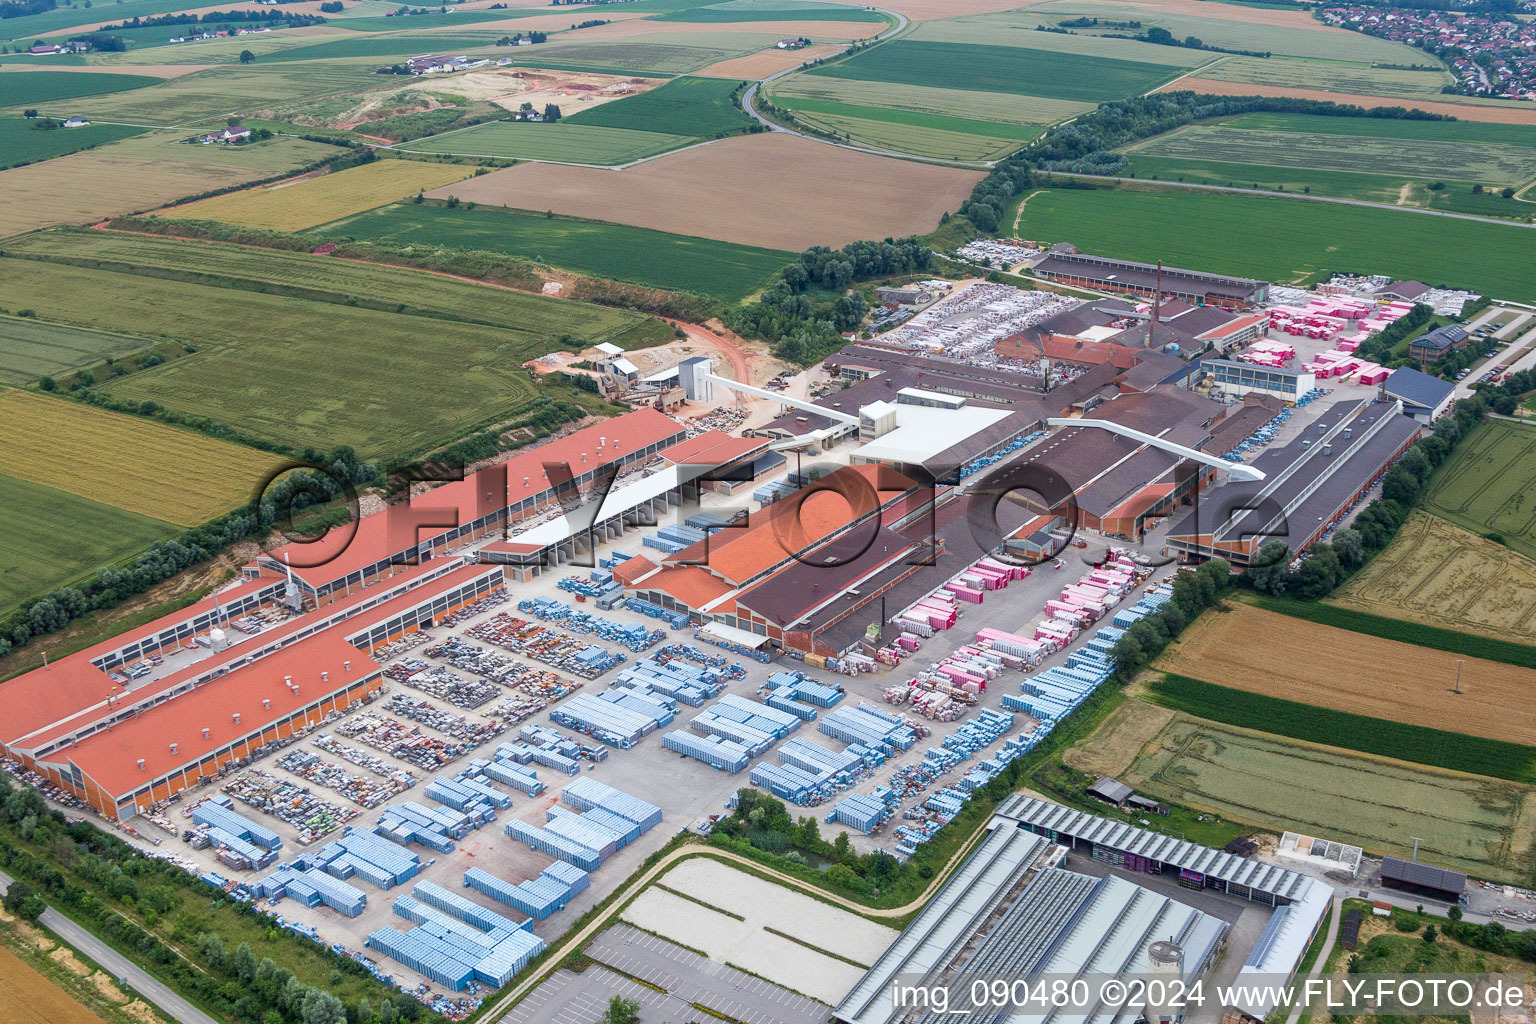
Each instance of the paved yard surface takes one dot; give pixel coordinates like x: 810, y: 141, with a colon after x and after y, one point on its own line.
x: 693, y: 979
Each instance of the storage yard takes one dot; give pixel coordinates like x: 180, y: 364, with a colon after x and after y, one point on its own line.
x: 1247, y: 648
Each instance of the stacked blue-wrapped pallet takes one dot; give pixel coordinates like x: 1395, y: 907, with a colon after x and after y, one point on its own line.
x: 313, y: 888
x: 216, y: 812
x: 688, y: 684
x: 982, y: 731
x: 784, y: 781
x: 630, y: 635
x: 868, y: 726
x: 479, y: 802
x: 773, y: 491
x: 714, y: 751
x: 753, y: 725
x: 800, y: 687
x: 507, y: 772
x: 587, y: 794
x: 237, y: 852
x: 864, y: 811
x: 435, y: 827
x: 555, y: 845
x: 566, y: 823
x: 675, y: 619
x: 607, y: 722
x: 538, y: 897
x: 369, y: 857
x: 467, y: 910
x: 657, y: 706
x: 809, y: 773
x: 420, y: 954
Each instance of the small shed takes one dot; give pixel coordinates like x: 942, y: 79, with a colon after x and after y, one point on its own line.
x: 1423, y: 879
x: 1111, y: 791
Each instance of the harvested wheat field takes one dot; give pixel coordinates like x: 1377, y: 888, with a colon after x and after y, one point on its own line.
x: 127, y: 461
x: 770, y: 190
x: 528, y: 23
x: 147, y: 70
x: 31, y: 997
x: 1279, y: 17
x: 1259, y: 651
x: 1464, y: 111
x: 310, y: 202
x: 756, y: 66
x: 137, y: 174
x: 1436, y: 573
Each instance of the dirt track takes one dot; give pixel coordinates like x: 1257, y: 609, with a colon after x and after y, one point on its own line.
x: 1265, y: 652
x: 1465, y: 111
x: 768, y: 190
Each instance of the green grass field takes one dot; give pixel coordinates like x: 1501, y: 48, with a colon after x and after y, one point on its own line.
x: 1300, y: 239
x: 907, y: 138
x: 61, y: 17
x: 309, y: 372
x: 1417, y: 160
x: 1008, y: 69
x: 52, y: 538
x: 558, y: 143
x: 1480, y: 825
x: 34, y: 88
x: 1331, y: 76
x: 324, y: 278
x: 401, y: 44
x: 616, y: 251
x: 1475, y: 755
x: 20, y: 143
x: 684, y: 106
x: 1305, y: 38
x: 1489, y: 485
x: 939, y: 104
x: 770, y: 12
x: 1456, y: 197
x: 30, y: 349
x: 1018, y: 28
x: 208, y: 96
x: 1388, y: 128
x: 965, y: 125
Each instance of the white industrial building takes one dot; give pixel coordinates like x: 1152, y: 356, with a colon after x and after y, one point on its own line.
x: 1016, y: 910
x: 1239, y: 379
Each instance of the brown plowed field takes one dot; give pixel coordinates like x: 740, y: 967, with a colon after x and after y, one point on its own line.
x: 771, y: 190
x: 1250, y: 649
x: 1465, y: 111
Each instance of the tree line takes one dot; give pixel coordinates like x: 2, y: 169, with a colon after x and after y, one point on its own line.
x: 805, y: 328
x: 107, y: 885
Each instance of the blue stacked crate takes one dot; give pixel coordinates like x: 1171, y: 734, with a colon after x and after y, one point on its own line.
x: 783, y: 781
x: 569, y: 825
x: 714, y: 751
x: 456, y: 906
x: 216, y: 811
x: 556, y: 846
x: 511, y: 955
x: 347, y: 899
x: 586, y: 794
x: 425, y: 960
x: 656, y: 706
x: 860, y: 811
x: 538, y: 897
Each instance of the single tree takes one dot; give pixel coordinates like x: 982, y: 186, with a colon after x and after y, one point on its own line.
x: 621, y: 1011
x: 246, y: 56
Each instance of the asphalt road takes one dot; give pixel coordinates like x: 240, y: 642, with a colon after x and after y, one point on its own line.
x: 117, y: 964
